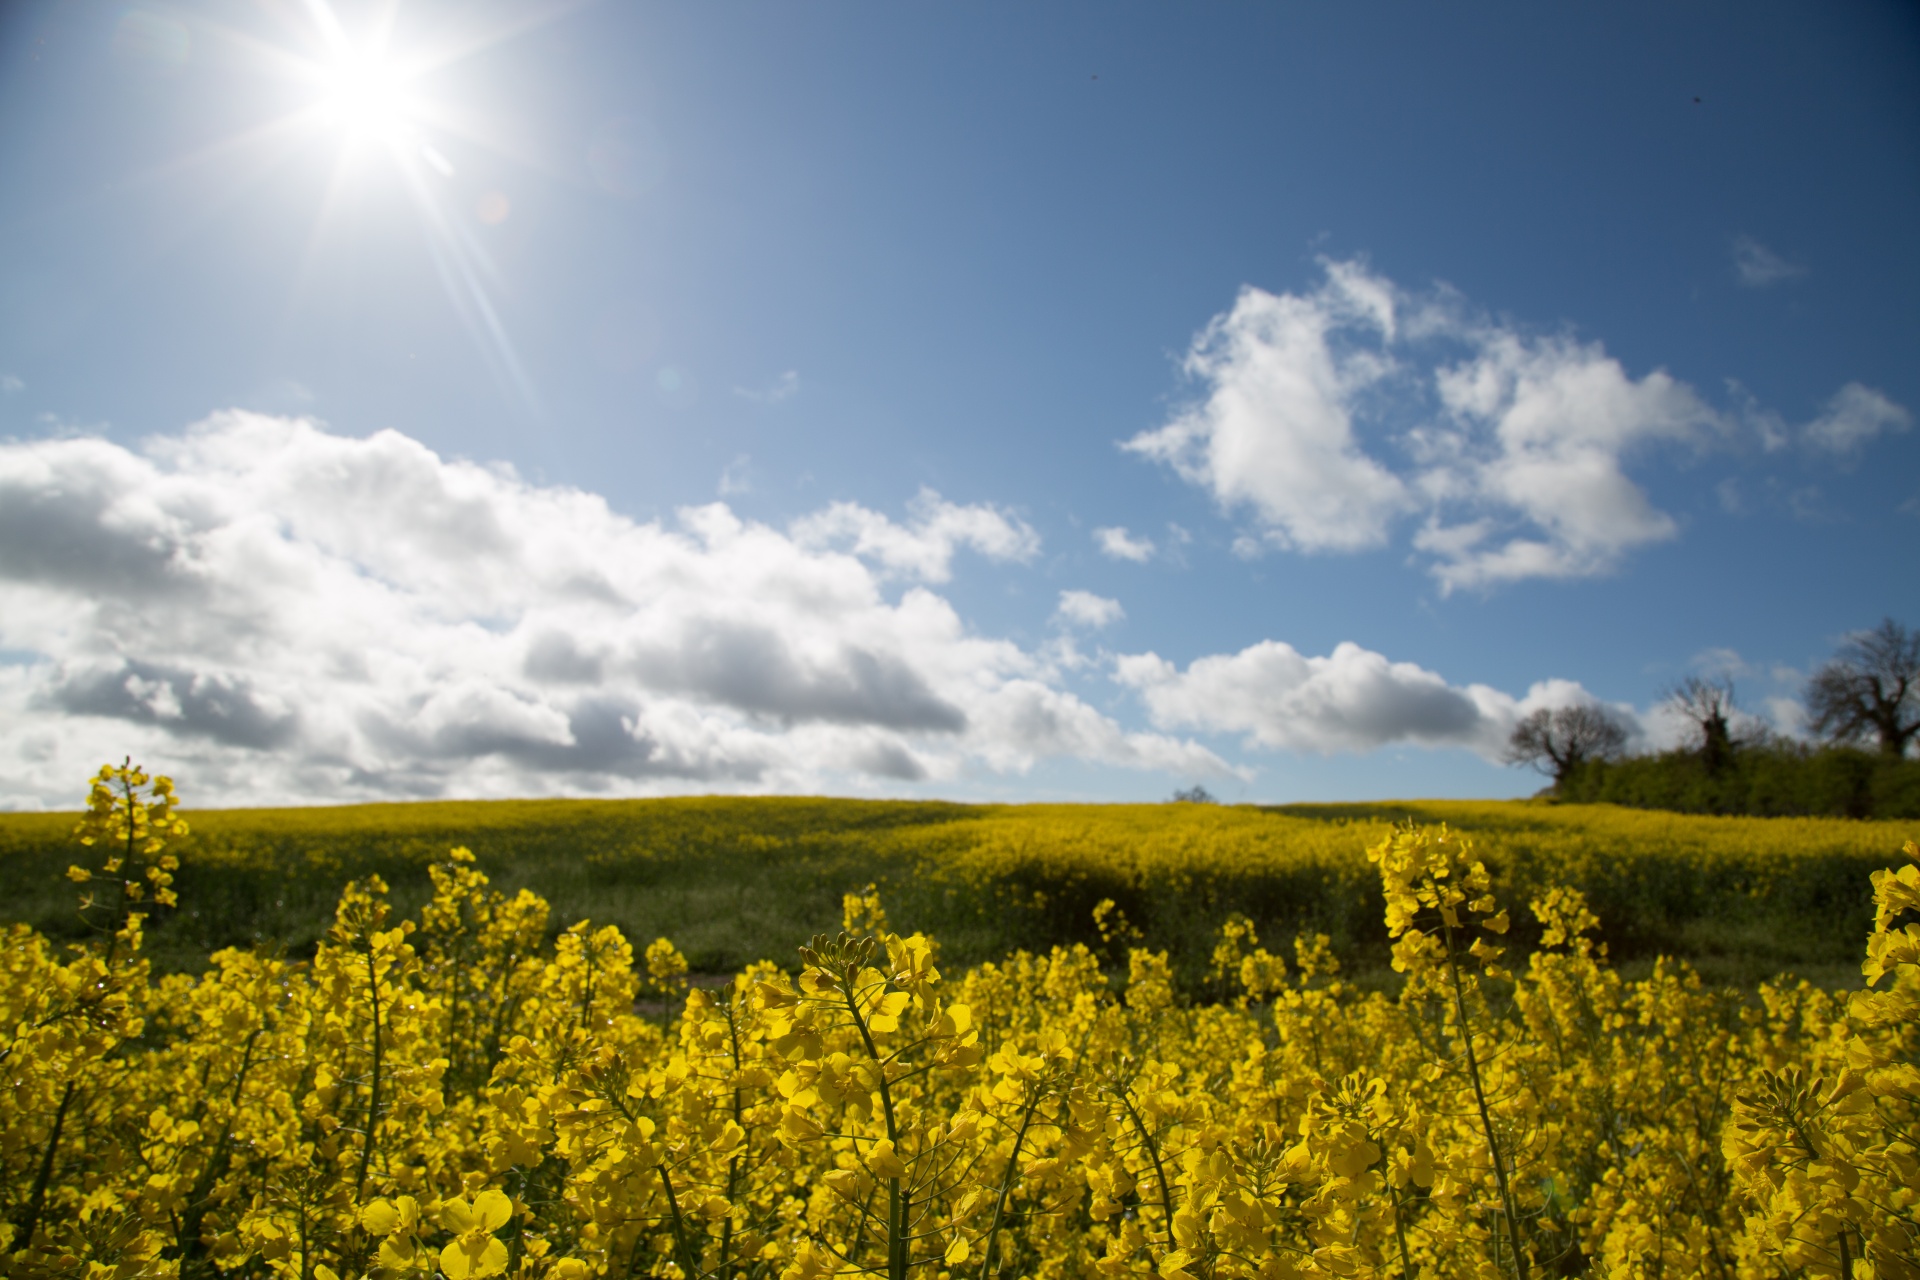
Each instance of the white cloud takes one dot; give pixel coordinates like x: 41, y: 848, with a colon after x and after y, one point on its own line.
x: 1851, y: 420
x: 924, y: 548
x: 1664, y: 727
x: 1118, y: 544
x: 784, y: 387
x: 1332, y: 417
x: 10, y: 384
x: 1275, y: 432
x: 1027, y: 719
x: 1533, y: 449
x: 1085, y: 609
x: 1854, y: 416
x: 1350, y: 700
x: 1786, y: 715
x: 276, y: 613
x: 1773, y: 688
x: 1757, y: 266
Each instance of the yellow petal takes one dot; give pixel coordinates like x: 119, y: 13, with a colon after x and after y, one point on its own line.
x: 380, y: 1217
x: 492, y: 1209
x: 493, y: 1259
x: 959, y: 1251
x: 884, y: 1163
x: 456, y: 1215
x: 473, y: 1256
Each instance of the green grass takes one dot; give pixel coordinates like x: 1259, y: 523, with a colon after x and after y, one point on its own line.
x: 735, y: 880
x: 729, y: 880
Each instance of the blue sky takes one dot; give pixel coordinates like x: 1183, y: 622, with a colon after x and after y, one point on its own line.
x: 1066, y: 401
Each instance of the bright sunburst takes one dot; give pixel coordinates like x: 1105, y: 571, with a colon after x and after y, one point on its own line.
x: 366, y: 96
x: 366, y: 101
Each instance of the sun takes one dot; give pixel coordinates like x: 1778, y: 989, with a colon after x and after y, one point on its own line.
x: 366, y: 97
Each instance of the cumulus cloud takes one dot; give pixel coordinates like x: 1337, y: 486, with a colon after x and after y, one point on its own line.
x: 1853, y: 418
x: 1085, y: 609
x: 1353, y: 699
x: 1757, y: 266
x: 1332, y: 417
x: 1532, y: 451
x: 1117, y: 544
x: 924, y: 547
x: 281, y: 613
x: 1275, y: 431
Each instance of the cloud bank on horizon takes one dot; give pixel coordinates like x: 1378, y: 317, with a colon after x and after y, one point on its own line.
x: 301, y: 615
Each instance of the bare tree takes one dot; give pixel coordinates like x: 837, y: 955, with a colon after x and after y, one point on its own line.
x: 1196, y: 794
x: 1871, y: 690
x: 1557, y: 742
x: 1709, y: 704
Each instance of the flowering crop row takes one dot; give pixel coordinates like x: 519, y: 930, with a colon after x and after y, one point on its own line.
x: 738, y: 879
x: 454, y: 1095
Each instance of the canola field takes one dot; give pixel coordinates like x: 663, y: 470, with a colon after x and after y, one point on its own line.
x: 464, y: 1090
x: 738, y: 880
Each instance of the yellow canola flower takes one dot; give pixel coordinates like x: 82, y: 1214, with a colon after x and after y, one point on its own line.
x: 473, y: 1256
x: 1074, y: 1112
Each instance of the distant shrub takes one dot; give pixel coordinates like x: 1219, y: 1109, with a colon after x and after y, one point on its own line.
x: 1770, y: 780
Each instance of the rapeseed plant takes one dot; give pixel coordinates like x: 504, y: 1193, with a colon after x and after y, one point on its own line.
x: 466, y: 1094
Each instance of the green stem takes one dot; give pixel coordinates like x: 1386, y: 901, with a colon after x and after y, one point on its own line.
x: 452, y: 958
x: 120, y: 881
x: 733, y: 1163
x: 1159, y: 1169
x: 1486, y: 1117
x: 37, y: 1201
x: 306, y: 1240
x: 1400, y: 1233
x: 192, y: 1249
x: 1006, y: 1185
x: 373, y: 1094
x: 897, y: 1204
x: 689, y: 1261
x: 586, y: 1001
